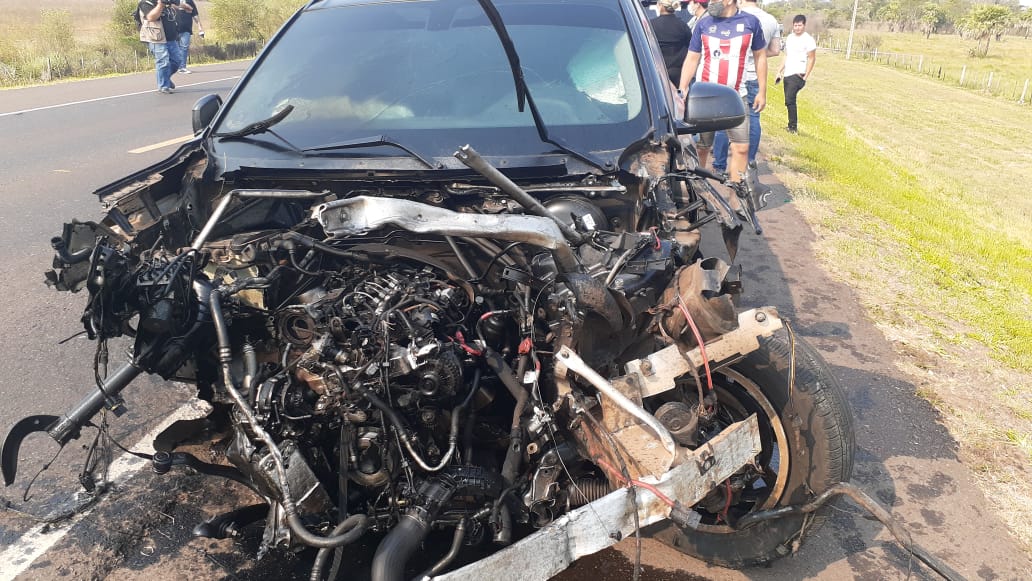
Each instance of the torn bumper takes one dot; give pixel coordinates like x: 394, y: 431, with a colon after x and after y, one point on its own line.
x: 596, y: 526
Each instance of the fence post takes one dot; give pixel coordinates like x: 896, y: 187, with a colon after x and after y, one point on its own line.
x: 920, y: 64
x: 875, y: 54
x: 1024, y: 92
x: 963, y: 73
x: 989, y: 84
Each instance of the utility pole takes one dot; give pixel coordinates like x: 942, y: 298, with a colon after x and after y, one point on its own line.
x: 852, y: 27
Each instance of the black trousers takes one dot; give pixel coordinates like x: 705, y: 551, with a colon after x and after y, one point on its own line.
x: 793, y: 84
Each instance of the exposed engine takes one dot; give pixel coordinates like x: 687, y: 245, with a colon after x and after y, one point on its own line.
x: 422, y: 359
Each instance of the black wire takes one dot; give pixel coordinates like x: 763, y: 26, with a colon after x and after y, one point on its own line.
x: 46, y: 466
x: 293, y: 261
x: 103, y: 427
x: 491, y: 263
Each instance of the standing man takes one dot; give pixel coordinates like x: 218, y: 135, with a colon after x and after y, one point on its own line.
x: 684, y: 13
x: 723, y: 38
x: 752, y: 86
x: 164, y: 45
x: 696, y: 10
x: 800, y: 55
x: 673, y: 36
x: 187, y: 15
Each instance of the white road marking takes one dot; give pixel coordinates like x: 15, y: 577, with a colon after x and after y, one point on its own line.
x: 17, y: 557
x: 60, y: 105
x: 175, y: 141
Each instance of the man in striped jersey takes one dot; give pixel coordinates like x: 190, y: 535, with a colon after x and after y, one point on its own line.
x: 717, y: 54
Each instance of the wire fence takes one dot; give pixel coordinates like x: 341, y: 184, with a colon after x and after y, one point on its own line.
x: 988, y: 82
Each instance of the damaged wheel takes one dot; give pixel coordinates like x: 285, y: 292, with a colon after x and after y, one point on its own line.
x: 808, y: 444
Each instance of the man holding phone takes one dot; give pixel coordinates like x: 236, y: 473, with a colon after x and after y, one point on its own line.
x: 168, y: 57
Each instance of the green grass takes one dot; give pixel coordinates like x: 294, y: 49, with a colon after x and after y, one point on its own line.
x: 937, y: 173
x: 918, y: 193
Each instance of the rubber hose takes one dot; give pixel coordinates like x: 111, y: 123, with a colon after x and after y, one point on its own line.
x: 514, y: 454
x: 397, y: 547
x: 350, y: 529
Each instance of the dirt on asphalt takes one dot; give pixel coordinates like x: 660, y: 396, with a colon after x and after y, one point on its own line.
x: 905, y: 458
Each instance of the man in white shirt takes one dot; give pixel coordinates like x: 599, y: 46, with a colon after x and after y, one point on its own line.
x: 752, y: 86
x: 800, y: 55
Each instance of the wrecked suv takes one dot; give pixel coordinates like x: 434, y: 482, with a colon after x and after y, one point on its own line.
x: 434, y: 270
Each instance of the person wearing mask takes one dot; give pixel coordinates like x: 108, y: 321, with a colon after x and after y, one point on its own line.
x: 187, y: 15
x: 752, y: 86
x: 161, y: 32
x: 800, y: 56
x: 723, y: 39
x: 696, y: 9
x: 673, y: 36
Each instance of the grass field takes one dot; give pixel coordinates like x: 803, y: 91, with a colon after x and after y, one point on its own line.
x: 1009, y: 60
x: 918, y: 193
x: 1011, y: 55
x: 91, y: 17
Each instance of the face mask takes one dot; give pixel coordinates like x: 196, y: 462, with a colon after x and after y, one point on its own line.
x: 715, y: 8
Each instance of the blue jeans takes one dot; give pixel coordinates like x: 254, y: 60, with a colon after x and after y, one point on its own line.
x: 720, y: 141
x: 168, y: 58
x: 184, y: 47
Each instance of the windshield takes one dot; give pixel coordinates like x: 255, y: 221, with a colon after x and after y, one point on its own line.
x: 434, y: 75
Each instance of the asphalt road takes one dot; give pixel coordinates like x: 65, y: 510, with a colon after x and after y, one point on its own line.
x: 59, y: 143
x: 52, y: 158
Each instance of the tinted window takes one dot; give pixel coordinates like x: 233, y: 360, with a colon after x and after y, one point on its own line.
x: 409, y: 69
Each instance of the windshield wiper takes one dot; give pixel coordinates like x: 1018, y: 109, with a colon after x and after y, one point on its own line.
x: 373, y: 141
x: 259, y: 126
x: 523, y: 90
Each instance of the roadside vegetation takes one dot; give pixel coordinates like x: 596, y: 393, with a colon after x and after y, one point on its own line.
x: 917, y: 192
x: 49, y: 40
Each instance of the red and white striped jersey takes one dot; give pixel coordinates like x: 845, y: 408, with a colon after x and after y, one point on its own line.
x: 724, y: 44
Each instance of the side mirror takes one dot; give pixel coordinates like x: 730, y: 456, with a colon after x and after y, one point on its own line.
x: 204, y: 111
x: 712, y: 107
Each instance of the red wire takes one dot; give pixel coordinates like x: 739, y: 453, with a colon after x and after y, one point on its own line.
x: 727, y: 505
x: 698, y: 338
x: 462, y: 343
x: 664, y: 498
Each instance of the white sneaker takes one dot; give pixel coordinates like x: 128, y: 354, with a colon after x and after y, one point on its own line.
x: 186, y: 71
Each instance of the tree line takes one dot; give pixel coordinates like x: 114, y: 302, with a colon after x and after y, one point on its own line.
x: 981, y: 21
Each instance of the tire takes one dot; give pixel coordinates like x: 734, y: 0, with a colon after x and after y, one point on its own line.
x: 817, y: 428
